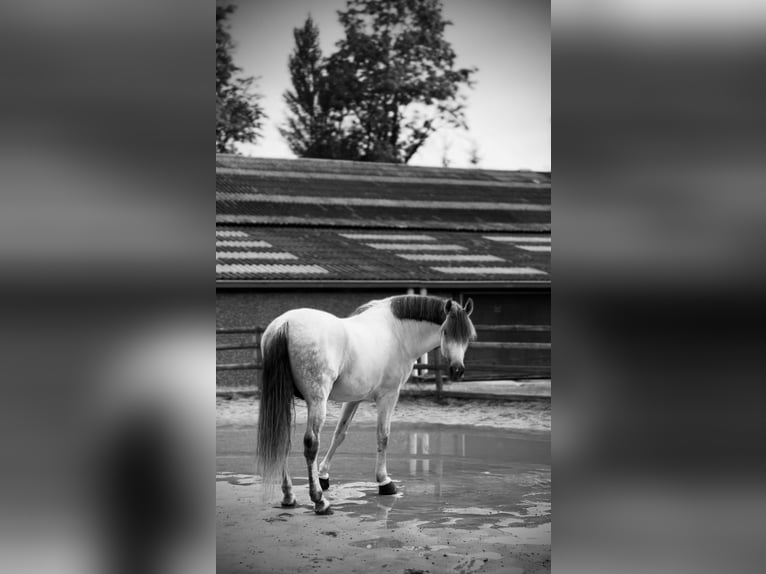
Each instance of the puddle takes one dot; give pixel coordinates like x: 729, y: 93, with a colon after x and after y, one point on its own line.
x: 378, y: 543
x: 461, y: 478
x: 470, y: 499
x: 237, y: 478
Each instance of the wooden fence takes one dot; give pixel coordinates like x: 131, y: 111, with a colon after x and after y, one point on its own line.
x: 254, y: 343
x: 434, y: 372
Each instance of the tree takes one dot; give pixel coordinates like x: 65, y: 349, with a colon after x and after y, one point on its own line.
x: 238, y: 114
x: 390, y: 85
x: 308, y: 131
x: 473, y: 155
x: 446, y: 145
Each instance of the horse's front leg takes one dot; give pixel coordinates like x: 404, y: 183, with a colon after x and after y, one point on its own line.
x: 386, y: 405
x: 347, y: 413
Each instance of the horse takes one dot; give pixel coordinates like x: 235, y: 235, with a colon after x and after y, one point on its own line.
x: 316, y: 356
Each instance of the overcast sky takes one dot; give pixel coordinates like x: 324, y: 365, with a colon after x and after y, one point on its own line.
x: 508, y: 109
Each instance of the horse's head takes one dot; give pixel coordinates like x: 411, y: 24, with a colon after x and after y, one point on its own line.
x: 457, y: 332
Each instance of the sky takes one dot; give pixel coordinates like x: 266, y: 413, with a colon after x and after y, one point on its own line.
x: 508, y: 111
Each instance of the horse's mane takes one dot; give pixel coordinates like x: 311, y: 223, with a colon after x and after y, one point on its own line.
x: 427, y: 308
x: 419, y: 308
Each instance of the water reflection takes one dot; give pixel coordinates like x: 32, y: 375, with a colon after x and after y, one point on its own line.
x: 458, y: 478
x: 464, y: 478
x: 424, y: 439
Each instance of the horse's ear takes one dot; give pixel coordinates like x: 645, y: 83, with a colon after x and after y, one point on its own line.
x: 468, y: 307
x: 447, y: 305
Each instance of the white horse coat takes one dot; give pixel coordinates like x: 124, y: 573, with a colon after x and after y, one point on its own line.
x: 362, y: 355
x: 317, y: 356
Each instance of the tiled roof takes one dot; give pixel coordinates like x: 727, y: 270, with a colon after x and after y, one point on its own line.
x: 296, y: 220
x: 350, y: 194
x: 341, y: 254
x: 317, y: 168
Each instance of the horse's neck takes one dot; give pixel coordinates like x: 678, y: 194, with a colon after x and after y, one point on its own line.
x: 419, y: 337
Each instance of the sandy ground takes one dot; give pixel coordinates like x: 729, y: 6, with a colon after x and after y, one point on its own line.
x: 482, y: 390
x: 524, y: 416
x: 474, y: 494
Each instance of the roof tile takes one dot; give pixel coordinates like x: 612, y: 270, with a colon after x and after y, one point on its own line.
x: 346, y: 221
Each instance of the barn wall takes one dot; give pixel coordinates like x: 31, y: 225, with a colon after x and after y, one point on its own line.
x: 258, y: 307
x: 517, y: 308
x: 245, y: 308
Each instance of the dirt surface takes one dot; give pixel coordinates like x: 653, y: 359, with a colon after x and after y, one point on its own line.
x: 472, y: 498
x: 480, y: 414
x: 483, y: 390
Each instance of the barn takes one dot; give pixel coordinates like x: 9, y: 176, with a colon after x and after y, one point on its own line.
x: 334, y: 234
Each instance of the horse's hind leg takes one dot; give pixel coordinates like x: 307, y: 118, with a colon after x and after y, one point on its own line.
x: 346, y: 414
x: 287, y: 487
x: 316, y: 417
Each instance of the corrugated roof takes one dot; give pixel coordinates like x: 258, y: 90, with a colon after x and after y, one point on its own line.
x: 311, y: 220
x: 316, y: 168
x: 337, y: 254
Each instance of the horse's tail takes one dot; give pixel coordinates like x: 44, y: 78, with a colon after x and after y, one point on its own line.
x: 277, y: 404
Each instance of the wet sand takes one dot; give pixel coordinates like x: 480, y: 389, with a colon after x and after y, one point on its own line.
x: 471, y: 498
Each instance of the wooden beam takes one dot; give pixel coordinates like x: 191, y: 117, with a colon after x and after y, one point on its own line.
x: 238, y: 366
x: 235, y: 330
x: 247, y: 345
x: 513, y: 327
x: 495, y: 345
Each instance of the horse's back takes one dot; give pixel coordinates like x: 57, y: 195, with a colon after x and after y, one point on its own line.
x: 316, y: 343
x: 304, y: 314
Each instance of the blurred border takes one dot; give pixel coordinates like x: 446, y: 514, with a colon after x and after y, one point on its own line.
x: 107, y: 296
x: 658, y: 226
x: 658, y: 307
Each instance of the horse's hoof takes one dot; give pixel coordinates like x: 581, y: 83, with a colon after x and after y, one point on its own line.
x: 324, y: 483
x: 324, y: 509
x: 288, y: 504
x: 389, y: 488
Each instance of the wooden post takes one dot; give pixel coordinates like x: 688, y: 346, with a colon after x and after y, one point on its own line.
x: 424, y: 358
x: 438, y: 375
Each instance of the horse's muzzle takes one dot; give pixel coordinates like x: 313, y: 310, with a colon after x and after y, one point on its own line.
x: 456, y: 372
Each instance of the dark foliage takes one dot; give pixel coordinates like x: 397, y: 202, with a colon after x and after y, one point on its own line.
x: 238, y: 115
x: 390, y: 85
